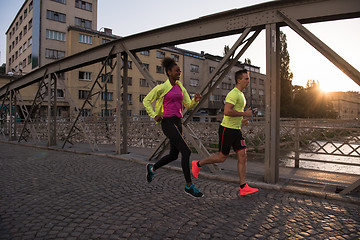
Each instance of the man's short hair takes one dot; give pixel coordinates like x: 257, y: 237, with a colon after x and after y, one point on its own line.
x: 238, y: 74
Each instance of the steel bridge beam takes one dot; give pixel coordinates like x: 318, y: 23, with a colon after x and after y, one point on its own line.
x: 212, y: 26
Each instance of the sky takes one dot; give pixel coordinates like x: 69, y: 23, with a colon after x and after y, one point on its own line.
x: 126, y: 18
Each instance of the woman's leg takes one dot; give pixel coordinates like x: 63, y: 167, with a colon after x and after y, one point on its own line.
x: 173, y: 130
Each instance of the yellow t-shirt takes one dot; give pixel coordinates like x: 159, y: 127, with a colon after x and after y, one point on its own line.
x: 237, y: 98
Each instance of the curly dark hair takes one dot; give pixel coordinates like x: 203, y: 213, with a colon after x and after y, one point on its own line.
x: 168, y: 64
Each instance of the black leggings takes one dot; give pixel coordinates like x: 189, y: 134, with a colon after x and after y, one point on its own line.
x: 172, y: 128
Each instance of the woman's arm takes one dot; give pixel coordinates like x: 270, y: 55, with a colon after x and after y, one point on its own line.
x: 150, y: 97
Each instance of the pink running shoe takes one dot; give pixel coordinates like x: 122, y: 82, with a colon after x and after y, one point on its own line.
x: 247, y: 190
x: 195, y: 169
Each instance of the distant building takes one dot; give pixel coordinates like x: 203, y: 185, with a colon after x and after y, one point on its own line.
x: 37, y: 35
x: 346, y: 104
x: 48, y: 30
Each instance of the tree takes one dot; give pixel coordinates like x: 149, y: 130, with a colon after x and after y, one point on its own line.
x: 311, y: 102
x: 286, y: 77
x: 3, y: 68
x: 226, y: 50
x: 247, y: 61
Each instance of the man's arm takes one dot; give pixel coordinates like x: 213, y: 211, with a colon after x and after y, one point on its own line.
x: 229, y: 111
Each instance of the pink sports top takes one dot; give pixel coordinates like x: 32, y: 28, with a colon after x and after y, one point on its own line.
x: 173, y: 102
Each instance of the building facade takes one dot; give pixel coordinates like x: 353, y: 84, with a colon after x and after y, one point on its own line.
x: 37, y: 35
x: 47, y: 30
x: 346, y: 104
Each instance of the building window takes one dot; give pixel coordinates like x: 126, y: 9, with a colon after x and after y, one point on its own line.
x: 175, y: 57
x: 20, y: 36
x: 160, y: 69
x: 160, y: 54
x: 146, y: 66
x: 55, y: 16
x: 16, y: 54
x: 60, y: 1
x: 25, y: 13
x: 261, y: 92
x: 29, y: 58
x: 54, y: 54
x: 24, y: 62
x: 25, y: 46
x: 129, y: 98
x: 194, y: 68
x: 55, y: 35
x: 141, y: 97
x: 20, y: 50
x: 226, y: 86
x: 83, y: 5
x: 103, y: 78
x: 143, y: 82
x: 10, y: 48
x: 261, y: 81
x: 83, y: 94
x: 16, y: 40
x: 29, y: 41
x: 215, y: 98
x: 21, y: 20
x: 145, y: 53
x: 82, y: 22
x: 129, y: 81
x: 194, y: 82
x: 85, y: 112
x: 85, y: 39
x: 86, y: 76
x: 253, y: 91
x: 30, y: 24
x: 106, y: 112
x: 104, y: 40
x: 107, y: 96
x: 30, y: 6
x: 25, y: 29
x: 60, y: 93
x: 143, y: 113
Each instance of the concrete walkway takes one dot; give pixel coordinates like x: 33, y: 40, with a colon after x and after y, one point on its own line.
x: 47, y: 194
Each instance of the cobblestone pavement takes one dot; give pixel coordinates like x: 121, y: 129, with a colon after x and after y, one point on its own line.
x: 58, y: 195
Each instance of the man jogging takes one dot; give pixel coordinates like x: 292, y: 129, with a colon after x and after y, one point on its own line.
x: 230, y: 132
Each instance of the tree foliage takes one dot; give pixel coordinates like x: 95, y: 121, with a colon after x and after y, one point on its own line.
x: 297, y: 101
x: 312, y: 102
x: 286, y: 77
x: 3, y: 68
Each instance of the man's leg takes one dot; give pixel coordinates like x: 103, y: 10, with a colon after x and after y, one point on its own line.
x: 242, y: 159
x: 214, y: 158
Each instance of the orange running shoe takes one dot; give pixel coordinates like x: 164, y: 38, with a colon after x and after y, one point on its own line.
x: 247, y: 190
x: 195, y: 169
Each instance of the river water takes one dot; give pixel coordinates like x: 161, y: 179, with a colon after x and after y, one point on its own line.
x: 353, y: 150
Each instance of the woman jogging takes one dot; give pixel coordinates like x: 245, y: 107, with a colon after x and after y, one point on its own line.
x: 170, y: 96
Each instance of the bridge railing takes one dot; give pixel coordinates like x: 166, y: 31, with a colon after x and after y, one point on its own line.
x: 301, y: 140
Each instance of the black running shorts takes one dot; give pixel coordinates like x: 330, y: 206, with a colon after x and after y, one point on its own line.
x: 228, y: 138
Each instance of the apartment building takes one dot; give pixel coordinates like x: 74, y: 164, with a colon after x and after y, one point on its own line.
x: 37, y: 35
x: 47, y: 30
x: 346, y: 104
x: 79, y: 81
